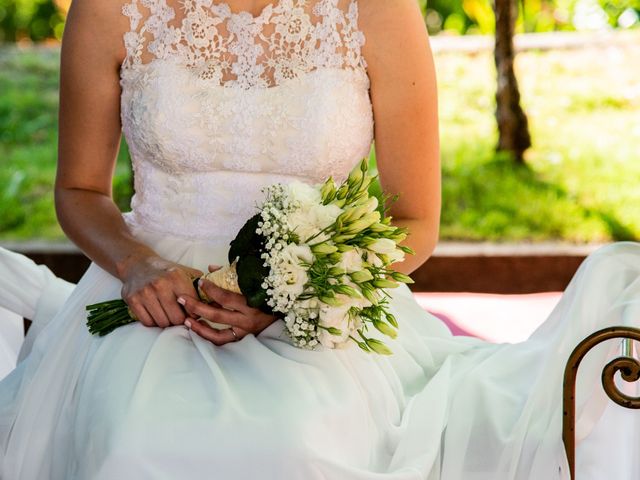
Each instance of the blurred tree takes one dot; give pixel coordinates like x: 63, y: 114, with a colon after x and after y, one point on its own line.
x: 513, y: 126
x: 34, y: 20
x: 476, y: 16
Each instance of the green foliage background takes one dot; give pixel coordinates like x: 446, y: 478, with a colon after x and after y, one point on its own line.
x: 580, y: 183
x: 38, y: 20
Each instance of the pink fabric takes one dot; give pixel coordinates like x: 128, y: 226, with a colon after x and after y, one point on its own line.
x: 497, y: 318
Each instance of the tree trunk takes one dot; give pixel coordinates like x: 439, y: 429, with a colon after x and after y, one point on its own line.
x: 513, y: 126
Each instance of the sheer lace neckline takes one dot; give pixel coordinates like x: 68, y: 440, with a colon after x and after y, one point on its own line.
x: 288, y: 38
x: 258, y: 17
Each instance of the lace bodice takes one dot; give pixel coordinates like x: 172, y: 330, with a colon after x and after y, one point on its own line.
x: 218, y: 104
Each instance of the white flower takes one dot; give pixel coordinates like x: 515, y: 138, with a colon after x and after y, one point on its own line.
x: 383, y: 245
x: 396, y: 256
x: 327, y: 340
x: 351, y: 261
x: 324, y: 215
x: 308, y: 221
x: 289, y: 266
x: 304, y: 193
x: 374, y: 260
x: 338, y: 317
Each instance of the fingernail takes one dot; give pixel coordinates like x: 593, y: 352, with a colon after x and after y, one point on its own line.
x: 200, y: 282
x: 187, y: 324
x: 182, y: 301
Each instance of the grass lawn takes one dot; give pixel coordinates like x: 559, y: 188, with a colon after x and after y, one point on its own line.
x: 581, y: 182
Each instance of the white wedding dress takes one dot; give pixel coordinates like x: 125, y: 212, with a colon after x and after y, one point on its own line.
x: 215, y: 106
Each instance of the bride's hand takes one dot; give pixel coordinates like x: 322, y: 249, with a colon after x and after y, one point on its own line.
x: 232, y: 310
x: 151, y: 288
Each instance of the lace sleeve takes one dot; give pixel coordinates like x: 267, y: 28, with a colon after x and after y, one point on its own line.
x: 354, y: 38
x: 133, y: 39
x: 150, y: 34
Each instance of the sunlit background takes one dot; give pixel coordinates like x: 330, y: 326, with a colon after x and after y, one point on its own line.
x: 578, y: 71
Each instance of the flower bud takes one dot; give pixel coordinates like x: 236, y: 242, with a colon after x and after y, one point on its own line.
x: 328, y: 190
x: 335, y: 257
x: 401, y: 277
x: 381, y: 227
x: 378, y: 347
x: 384, y: 283
x: 334, y: 331
x: 384, y: 258
x: 330, y: 300
x: 339, y: 202
x: 369, y: 295
x: 345, y: 217
x: 324, y: 249
x: 361, y: 276
x: 347, y: 290
x: 363, y: 223
x: 398, y: 237
x: 407, y: 250
x: 355, y: 177
x: 385, y: 328
x: 392, y: 320
x: 360, y: 198
x: 336, y: 271
x: 368, y: 206
x: 340, y: 239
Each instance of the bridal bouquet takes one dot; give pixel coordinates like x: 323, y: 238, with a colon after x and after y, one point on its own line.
x: 317, y: 256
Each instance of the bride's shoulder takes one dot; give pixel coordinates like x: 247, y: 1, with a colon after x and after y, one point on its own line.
x: 395, y: 31
x: 98, y: 26
x: 387, y: 13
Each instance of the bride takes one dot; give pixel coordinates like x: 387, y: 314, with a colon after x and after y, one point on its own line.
x: 217, y: 100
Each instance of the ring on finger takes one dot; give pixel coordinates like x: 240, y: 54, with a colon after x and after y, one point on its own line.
x: 235, y: 335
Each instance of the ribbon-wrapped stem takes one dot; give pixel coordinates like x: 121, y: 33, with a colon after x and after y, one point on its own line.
x: 104, y: 317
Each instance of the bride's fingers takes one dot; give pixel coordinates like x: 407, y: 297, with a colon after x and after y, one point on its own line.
x: 140, y: 313
x: 175, y: 314
x: 153, y: 306
x: 197, y: 309
x: 215, y: 336
x: 213, y: 268
x: 230, y: 300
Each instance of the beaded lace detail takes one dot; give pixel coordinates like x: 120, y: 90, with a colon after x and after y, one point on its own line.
x: 217, y: 105
x: 285, y: 40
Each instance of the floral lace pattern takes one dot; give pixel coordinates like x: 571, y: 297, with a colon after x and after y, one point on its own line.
x: 287, y: 39
x: 228, y: 103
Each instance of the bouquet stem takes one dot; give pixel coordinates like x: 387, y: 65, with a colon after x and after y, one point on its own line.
x: 105, y: 317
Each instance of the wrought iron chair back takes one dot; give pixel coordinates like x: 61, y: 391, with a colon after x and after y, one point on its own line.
x: 626, y: 364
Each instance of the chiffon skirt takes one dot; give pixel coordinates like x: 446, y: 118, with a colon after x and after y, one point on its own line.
x: 150, y: 403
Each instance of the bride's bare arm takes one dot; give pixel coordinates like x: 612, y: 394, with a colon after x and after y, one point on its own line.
x: 89, y: 138
x: 405, y: 105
